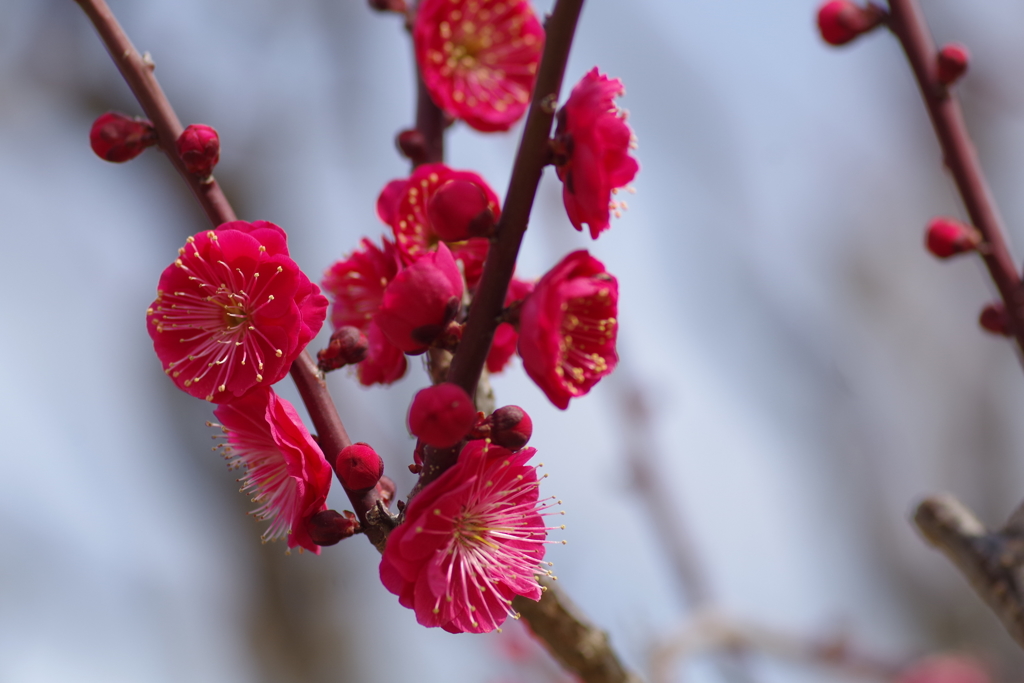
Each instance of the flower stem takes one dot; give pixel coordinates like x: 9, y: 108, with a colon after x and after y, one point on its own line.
x: 908, y: 24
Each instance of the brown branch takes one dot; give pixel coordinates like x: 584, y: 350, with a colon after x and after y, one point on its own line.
x: 577, y: 644
x: 532, y: 156
x: 313, y: 389
x: 908, y: 23
x: 992, y: 562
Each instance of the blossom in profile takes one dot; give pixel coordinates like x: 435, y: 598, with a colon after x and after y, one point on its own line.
x: 506, y: 338
x: 285, y: 471
x: 422, y: 299
x: 568, y: 327
x: 479, y: 58
x: 592, y: 144
x: 233, y: 311
x: 404, y: 205
x: 472, y: 540
x: 356, y: 287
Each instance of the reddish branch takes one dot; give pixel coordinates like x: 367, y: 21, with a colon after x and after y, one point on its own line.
x: 908, y: 23
x: 532, y: 156
x: 147, y: 91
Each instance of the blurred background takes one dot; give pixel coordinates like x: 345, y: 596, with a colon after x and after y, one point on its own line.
x: 809, y: 372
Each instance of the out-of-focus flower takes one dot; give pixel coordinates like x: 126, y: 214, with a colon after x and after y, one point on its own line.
x: 420, y: 302
x: 441, y: 415
x: 506, y: 338
x: 403, y: 204
x: 472, y: 540
x: 592, y: 143
x: 285, y: 471
x: 479, y: 58
x: 199, y: 149
x: 945, y: 668
x: 233, y: 311
x: 116, y: 137
x: 356, y: 284
x: 568, y: 328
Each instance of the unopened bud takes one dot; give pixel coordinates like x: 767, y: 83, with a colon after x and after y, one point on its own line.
x: 993, y: 319
x: 327, y: 527
x: 388, y: 6
x: 348, y: 346
x: 441, y: 415
x: 509, y: 427
x: 359, y: 467
x: 116, y: 137
x: 199, y: 149
x: 386, y: 490
x: 412, y: 145
x: 840, y: 21
x: 952, y: 63
x: 459, y: 210
x: 947, y: 237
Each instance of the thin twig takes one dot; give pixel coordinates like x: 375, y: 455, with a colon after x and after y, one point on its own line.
x: 158, y: 108
x: 992, y: 562
x: 139, y: 76
x: 710, y: 632
x: 908, y: 23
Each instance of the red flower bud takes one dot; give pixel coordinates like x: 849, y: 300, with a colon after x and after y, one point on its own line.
x: 330, y: 526
x: 993, y: 319
x: 947, y: 237
x: 199, y: 149
x: 441, y: 415
x: 952, y: 63
x: 840, y: 21
x: 420, y: 302
x: 459, y: 210
x: 348, y: 346
x: 509, y: 427
x: 116, y: 137
x: 412, y: 145
x: 359, y: 467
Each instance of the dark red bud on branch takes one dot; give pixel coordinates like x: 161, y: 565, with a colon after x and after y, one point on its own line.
x: 441, y: 415
x: 947, y: 237
x: 458, y: 210
x: 398, y: 6
x: 993, y: 319
x: 952, y: 63
x: 412, y: 145
x: 199, y: 149
x: 348, y: 346
x: 509, y: 427
x: 116, y: 137
x: 359, y: 467
x: 840, y: 21
x: 330, y: 526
